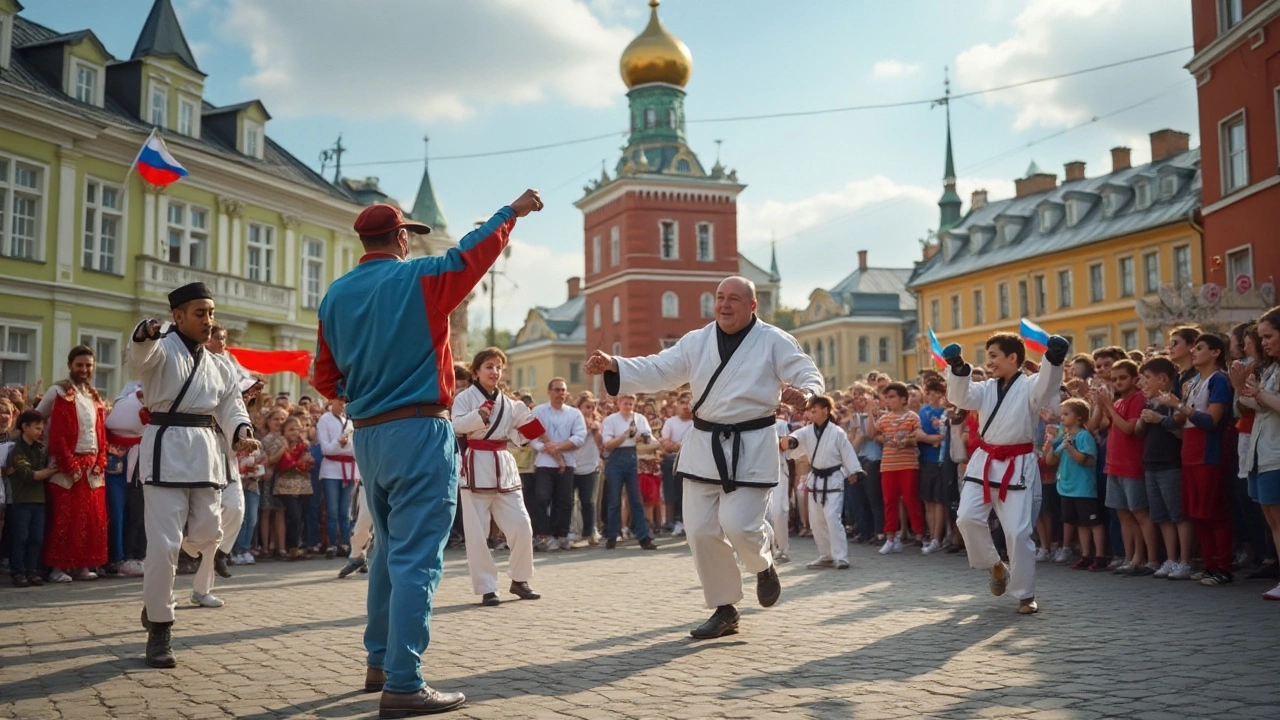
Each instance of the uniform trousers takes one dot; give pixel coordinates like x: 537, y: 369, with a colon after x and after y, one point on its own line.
x: 231, y: 516
x: 827, y: 522
x: 718, y: 524
x: 167, y: 511
x: 362, y: 531
x: 410, y: 470
x: 508, y: 511
x: 1017, y: 518
x: 780, y: 516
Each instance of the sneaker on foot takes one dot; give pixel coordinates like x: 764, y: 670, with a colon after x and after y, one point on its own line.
x: 207, y: 600
x: 84, y: 574
x: 1116, y: 563
x: 1164, y: 570
x: 131, y: 568
x: 930, y: 547
x: 887, y: 547
x: 1180, y: 571
x: 1144, y: 570
x: 564, y: 543
x: 1084, y: 563
x: 678, y: 529
x: 1124, y: 568
x: 1272, y: 594
x: 1042, y: 555
x: 1216, y: 578
x: 594, y: 540
x: 842, y: 564
x: 820, y: 563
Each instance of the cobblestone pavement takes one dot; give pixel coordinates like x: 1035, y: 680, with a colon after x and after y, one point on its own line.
x: 900, y: 636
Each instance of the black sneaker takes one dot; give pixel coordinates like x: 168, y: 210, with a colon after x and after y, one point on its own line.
x: 611, y: 544
x: 647, y: 544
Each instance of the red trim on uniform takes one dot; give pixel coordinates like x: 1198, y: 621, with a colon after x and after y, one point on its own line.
x: 325, y: 375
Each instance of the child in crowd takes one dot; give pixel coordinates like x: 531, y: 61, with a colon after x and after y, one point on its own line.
x: 649, y: 469
x: 1162, y: 467
x: 899, y: 465
x: 832, y: 460
x: 934, y: 490
x: 1126, y: 478
x: 293, y: 481
x: 28, y: 469
x: 1074, y: 452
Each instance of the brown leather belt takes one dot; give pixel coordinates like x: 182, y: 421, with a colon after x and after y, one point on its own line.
x: 428, y: 410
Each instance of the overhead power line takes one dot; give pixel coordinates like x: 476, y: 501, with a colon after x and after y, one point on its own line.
x: 774, y: 116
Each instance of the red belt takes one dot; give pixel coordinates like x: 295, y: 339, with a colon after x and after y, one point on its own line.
x: 489, y: 446
x: 1001, y: 452
x: 123, y: 441
x: 348, y: 463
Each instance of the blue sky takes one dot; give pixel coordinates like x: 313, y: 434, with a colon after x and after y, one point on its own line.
x: 486, y: 75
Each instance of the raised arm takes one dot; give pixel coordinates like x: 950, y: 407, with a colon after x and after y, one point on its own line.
x: 146, y: 350
x: 668, y: 369
x: 448, y: 279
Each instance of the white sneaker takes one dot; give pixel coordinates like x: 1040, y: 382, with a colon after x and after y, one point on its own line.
x: 891, y: 545
x: 842, y: 564
x: 1123, y: 569
x: 594, y: 540
x: 58, y: 576
x: 131, y: 568
x: 1042, y: 555
x: 1165, y: 569
x: 820, y: 563
x: 550, y: 545
x: 539, y: 544
x: 564, y: 543
x: 626, y: 533
x: 249, y: 559
x: 208, y: 601
x: 678, y: 529
x: 84, y: 574
x: 1272, y: 594
x: 1062, y: 555
x: 1180, y: 571
x: 930, y: 547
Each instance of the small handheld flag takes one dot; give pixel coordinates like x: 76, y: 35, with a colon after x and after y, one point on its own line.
x: 156, y: 165
x: 936, y: 349
x: 1034, y: 336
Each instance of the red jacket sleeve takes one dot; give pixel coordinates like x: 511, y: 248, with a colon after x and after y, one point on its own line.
x: 325, y: 376
x: 450, y: 278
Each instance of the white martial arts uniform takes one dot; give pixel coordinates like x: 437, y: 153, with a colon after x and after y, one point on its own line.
x: 490, y: 486
x: 829, y: 453
x: 780, y: 499
x: 1013, y: 425
x: 724, y: 514
x: 183, y: 469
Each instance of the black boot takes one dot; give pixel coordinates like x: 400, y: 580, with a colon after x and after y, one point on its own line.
x: 220, y: 564
x: 724, y: 621
x: 768, y: 587
x: 523, y: 590
x: 490, y: 600
x: 159, y: 654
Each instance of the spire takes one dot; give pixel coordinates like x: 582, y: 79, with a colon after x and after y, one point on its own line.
x: 426, y: 208
x: 162, y: 37
x: 949, y: 204
x: 774, y: 275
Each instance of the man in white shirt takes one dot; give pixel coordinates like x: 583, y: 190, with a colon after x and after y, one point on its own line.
x: 553, y: 468
x: 620, y: 432
x: 339, y: 473
x: 673, y: 432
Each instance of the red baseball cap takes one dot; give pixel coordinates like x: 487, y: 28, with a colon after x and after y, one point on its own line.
x: 381, y: 219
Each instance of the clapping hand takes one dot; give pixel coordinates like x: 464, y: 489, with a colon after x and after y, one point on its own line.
x: 1168, y: 399
x: 1150, y: 417
x: 1251, y: 387
x: 1239, y: 374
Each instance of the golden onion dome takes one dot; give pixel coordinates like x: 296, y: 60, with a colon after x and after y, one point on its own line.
x: 656, y: 56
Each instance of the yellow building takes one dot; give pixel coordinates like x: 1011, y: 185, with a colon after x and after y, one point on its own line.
x: 1076, y: 258
x: 551, y: 344
x: 865, y: 323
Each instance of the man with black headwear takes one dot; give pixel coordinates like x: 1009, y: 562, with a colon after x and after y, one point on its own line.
x: 182, y: 462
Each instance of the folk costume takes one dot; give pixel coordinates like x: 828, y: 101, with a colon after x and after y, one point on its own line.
x: 77, y: 531
x: 1003, y: 473
x: 490, y: 484
x: 729, y: 460
x: 832, y: 460
x: 196, y: 410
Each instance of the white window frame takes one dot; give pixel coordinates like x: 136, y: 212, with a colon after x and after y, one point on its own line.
x: 883, y: 351
x: 935, y: 313
x: 1177, y: 279
x: 1131, y: 278
x: 818, y: 354
x: 1098, y: 339
x: 8, y: 197
x: 1230, y: 14
x: 710, y: 254
x: 1066, y: 290
x: 1168, y: 186
x: 670, y: 305
x: 1240, y: 118
x: 1124, y: 340
x: 94, y: 336
x: 1111, y: 203
x: 595, y: 316
x: 92, y: 255
x: 595, y: 254
x: 1002, y: 299
x: 252, y: 131
x: 1142, y: 195
x: 191, y: 235
x: 1024, y: 298
x: 6, y: 40
x: 1046, y: 219
x: 192, y: 128
x: 97, y: 95
x: 957, y: 313
x: 615, y: 246
x: 8, y: 324
x: 1098, y: 291
x: 161, y: 90
x: 864, y: 349
x: 267, y: 248
x: 979, y: 309
x: 1073, y: 212
x: 1245, y: 251
x: 311, y: 300
x: 1041, y: 291
x: 707, y: 305
x: 617, y: 309
x: 675, y: 240
x: 1149, y: 287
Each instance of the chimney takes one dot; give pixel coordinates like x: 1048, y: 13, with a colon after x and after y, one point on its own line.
x: 1119, y: 159
x: 931, y: 249
x: 575, y: 287
x: 978, y: 200
x: 1074, y: 170
x: 862, y: 259
x: 1165, y: 143
x: 1038, y: 183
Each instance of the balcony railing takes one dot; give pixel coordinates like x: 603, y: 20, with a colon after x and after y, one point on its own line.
x: 158, y: 278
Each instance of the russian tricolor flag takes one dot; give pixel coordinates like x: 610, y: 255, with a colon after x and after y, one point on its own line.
x: 1034, y: 336
x: 156, y: 165
x: 936, y: 348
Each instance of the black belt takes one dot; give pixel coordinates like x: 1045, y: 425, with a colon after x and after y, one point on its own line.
x: 824, y: 473
x: 728, y: 470
x: 172, y: 419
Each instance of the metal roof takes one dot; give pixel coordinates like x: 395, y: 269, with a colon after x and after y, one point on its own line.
x: 874, y: 281
x: 1006, y: 231
x: 162, y: 36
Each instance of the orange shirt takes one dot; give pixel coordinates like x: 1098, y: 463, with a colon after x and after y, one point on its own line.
x: 899, y: 426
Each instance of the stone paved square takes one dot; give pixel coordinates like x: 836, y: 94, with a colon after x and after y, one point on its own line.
x: 904, y: 636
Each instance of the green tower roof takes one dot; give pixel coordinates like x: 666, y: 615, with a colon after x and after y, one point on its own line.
x: 426, y: 207
x: 950, y: 203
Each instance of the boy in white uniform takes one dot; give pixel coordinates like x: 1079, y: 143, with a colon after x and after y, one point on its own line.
x: 832, y: 459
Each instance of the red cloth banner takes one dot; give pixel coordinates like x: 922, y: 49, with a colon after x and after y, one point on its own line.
x: 266, y: 362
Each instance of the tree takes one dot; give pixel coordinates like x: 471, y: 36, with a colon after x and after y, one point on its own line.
x: 478, y: 338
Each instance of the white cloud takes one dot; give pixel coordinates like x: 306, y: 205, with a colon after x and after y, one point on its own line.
x: 536, y: 275
x: 887, y: 69
x: 424, y: 60
x: 1051, y: 37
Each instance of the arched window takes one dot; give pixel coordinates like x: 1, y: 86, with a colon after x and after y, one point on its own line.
x: 650, y: 117
x: 682, y: 166
x: 670, y: 305
x: 708, y: 305
x: 595, y: 316
x: 818, y: 357
x: 617, y: 309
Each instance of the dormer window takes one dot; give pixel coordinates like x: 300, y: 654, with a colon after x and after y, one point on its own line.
x: 187, y: 118
x: 159, y: 106
x: 1142, y: 195
x: 1074, y: 211
x: 682, y: 166
x: 86, y: 83
x: 253, y: 139
x: 1168, y: 186
x: 1111, y: 203
x: 1047, y: 218
x: 6, y: 40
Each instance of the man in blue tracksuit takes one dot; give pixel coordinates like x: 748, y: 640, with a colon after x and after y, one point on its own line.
x: 384, y: 345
